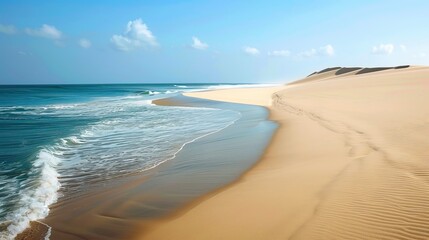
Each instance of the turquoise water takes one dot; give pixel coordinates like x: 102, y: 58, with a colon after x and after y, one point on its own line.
x: 54, y: 138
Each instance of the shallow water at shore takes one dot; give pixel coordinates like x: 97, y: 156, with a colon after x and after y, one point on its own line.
x: 202, y: 166
x: 55, y: 138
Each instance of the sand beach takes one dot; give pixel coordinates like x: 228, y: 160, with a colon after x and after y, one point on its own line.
x: 348, y: 161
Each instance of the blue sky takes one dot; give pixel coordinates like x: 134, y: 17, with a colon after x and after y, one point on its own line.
x: 45, y: 42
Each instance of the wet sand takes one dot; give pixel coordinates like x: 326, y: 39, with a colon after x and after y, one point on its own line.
x: 348, y: 161
x: 121, y: 207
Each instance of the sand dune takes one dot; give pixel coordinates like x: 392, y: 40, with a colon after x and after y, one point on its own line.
x: 335, y: 72
x: 349, y: 161
x: 384, y: 119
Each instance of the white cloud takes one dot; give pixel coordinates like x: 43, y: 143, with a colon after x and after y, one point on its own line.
x: 136, y: 35
x: 251, y: 51
x: 327, y: 50
x: 197, y: 44
x: 403, y: 48
x: 309, y: 53
x: 8, y: 29
x: 383, y: 49
x: 279, y: 53
x: 85, y: 43
x: 46, y: 31
x: 123, y: 43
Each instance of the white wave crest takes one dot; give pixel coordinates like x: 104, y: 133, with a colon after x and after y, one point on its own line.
x: 73, y: 140
x: 153, y: 92
x: 34, y: 203
x: 168, y: 92
x: 141, y: 102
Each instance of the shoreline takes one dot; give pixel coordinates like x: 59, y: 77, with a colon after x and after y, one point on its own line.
x: 182, y: 210
x: 157, y: 193
x: 202, y: 218
x: 346, y: 161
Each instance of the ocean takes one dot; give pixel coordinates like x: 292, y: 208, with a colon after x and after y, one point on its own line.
x: 58, y: 141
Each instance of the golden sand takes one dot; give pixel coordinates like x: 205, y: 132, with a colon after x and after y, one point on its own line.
x: 350, y: 160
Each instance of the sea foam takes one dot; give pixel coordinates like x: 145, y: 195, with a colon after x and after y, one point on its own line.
x: 128, y: 128
x: 34, y: 202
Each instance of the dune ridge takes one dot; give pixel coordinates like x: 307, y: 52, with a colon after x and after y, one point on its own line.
x: 335, y: 72
x: 349, y: 161
x: 383, y: 193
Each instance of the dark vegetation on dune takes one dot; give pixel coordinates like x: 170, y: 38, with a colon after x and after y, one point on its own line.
x: 347, y: 70
x: 329, y: 69
x: 325, y: 70
x: 343, y: 70
x: 402, y: 66
x: 376, y: 69
x: 312, y: 74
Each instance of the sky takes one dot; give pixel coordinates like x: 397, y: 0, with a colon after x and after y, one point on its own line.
x: 75, y: 42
